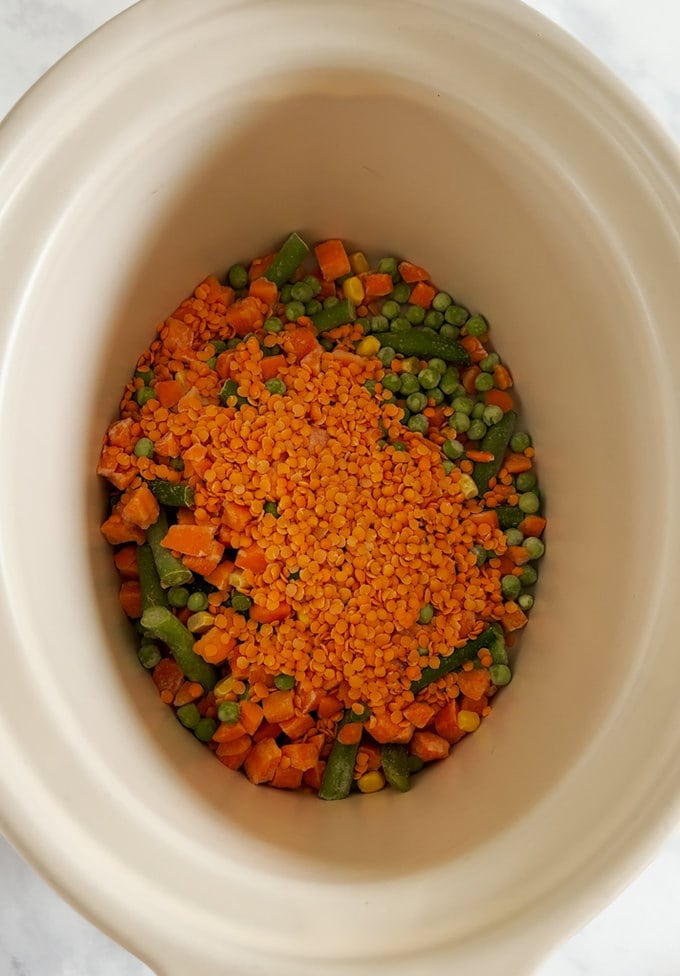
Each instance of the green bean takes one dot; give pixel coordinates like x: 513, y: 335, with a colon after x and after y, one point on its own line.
x: 455, y: 660
x: 330, y: 318
x: 169, y: 493
x: 338, y: 775
x: 509, y: 516
x: 172, y: 571
x: 288, y: 260
x: 495, y: 441
x: 426, y: 344
x: 496, y: 647
x: 395, y: 766
x: 168, y: 628
x: 153, y: 594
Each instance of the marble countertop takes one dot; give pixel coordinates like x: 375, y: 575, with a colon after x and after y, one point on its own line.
x: 638, y: 934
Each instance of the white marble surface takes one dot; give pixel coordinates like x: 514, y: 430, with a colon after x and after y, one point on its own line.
x: 638, y: 934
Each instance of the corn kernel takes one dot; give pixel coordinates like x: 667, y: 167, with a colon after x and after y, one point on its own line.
x: 370, y: 346
x: 371, y: 782
x: 468, y: 721
x: 236, y: 579
x: 358, y: 262
x: 467, y: 486
x: 304, y: 618
x: 224, y: 687
x: 201, y: 622
x: 353, y: 289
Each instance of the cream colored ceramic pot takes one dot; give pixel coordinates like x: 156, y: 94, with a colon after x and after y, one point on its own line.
x: 477, y: 139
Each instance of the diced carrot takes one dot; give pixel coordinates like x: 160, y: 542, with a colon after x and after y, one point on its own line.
x: 213, y: 646
x: 233, y: 754
x: 189, y: 691
x: 130, y: 596
x: 437, y: 417
x: 329, y: 706
x: 216, y: 291
x: 237, y: 517
x: 167, y: 445
x: 376, y: 285
x: 224, y: 363
x: 228, y: 732
x: 140, y: 507
x: 446, y: 723
x: 125, y: 561
x: 468, y: 379
x: 307, y: 697
x: 190, y: 540
x: 205, y: 565
x: 499, y: 398
x: 268, y: 730
x: 185, y: 516
x: 422, y: 294
x: 429, y: 746
x: 515, y: 620
x: 251, y: 716
x: 412, y: 272
x: 296, y: 727
x: 119, y: 433
x: 176, y: 335
x: 419, y: 713
x: 479, y: 456
x: 252, y: 558
x: 245, y: 315
x: 271, y: 366
x: 502, y: 377
x: 506, y: 565
x: 468, y: 704
x: 333, y: 259
x: 302, y: 341
x: 287, y: 779
x: 259, y: 266
x: 302, y: 755
x: 262, y: 761
x: 168, y: 676
x: 532, y: 525
x: 350, y: 734
x: 372, y: 753
x: 489, y: 517
x: 312, y: 777
x: 516, y: 463
x: 168, y: 392
x: 278, y: 706
x: 475, y: 349
x: 219, y: 577
x: 383, y: 729
x: 264, y: 615
x: 473, y: 684
x: 265, y: 290
x: 518, y: 554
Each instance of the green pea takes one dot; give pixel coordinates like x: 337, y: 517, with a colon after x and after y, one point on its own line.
x: 436, y: 395
x: 477, y: 326
x: 529, y: 503
x: 144, y: 394
x: 177, y: 464
x: 460, y: 422
x: 428, y: 378
x: 205, y: 729
x: 449, y: 380
x: 438, y: 365
x: 234, y: 343
x: 405, y: 415
x: 441, y: 301
x: 453, y: 449
x: 237, y: 275
x: 534, y: 547
x: 525, y: 481
x: 487, y: 364
x: 478, y: 410
x: 529, y: 575
x: 510, y: 587
x: 149, y: 656
x: 481, y: 554
x: 178, y: 596
x: 392, y: 382
x: 463, y: 405
x: 525, y: 601
x: 219, y: 345
x: 144, y: 447
x: 379, y: 323
x: 197, y: 601
x: 416, y: 402
x: 409, y: 384
x: 500, y: 675
x: 399, y: 446
x: 423, y: 651
x: 400, y: 324
x: 294, y: 310
x: 271, y: 508
x: 448, y: 331
x: 144, y: 374
x: 410, y: 365
x: 401, y: 293
x: 433, y: 319
x: 228, y: 712
x: 388, y: 266
x: 313, y: 306
x: 476, y: 430
x: 391, y: 309
x: 301, y: 292
x: 519, y: 442
x: 330, y: 301
x: 418, y: 423
x: 484, y: 382
x: 271, y: 351
x: 241, y: 603
x: 415, y: 314
x: 513, y: 537
x: 273, y: 324
x: 492, y: 415
x: 212, y: 362
x: 456, y: 315
x: 285, y: 293
x: 189, y: 715
x: 426, y: 614
x: 448, y: 466
x: 370, y: 386
x: 386, y: 355
x: 326, y: 344
x: 276, y: 386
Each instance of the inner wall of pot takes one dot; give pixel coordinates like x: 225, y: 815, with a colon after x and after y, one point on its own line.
x: 469, y: 204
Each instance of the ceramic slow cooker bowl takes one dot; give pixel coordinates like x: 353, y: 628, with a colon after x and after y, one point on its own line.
x: 477, y: 139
